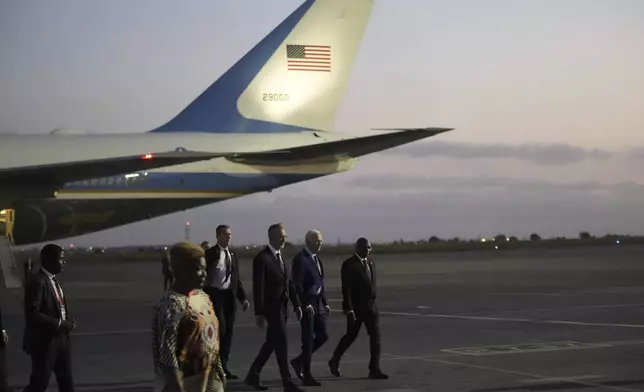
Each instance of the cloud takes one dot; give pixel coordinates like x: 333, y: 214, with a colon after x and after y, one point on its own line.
x: 477, y: 184
x: 539, y: 154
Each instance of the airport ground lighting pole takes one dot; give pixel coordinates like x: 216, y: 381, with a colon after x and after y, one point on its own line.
x: 187, y: 230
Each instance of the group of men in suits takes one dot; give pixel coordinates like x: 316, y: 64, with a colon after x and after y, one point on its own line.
x: 274, y: 286
x: 48, y: 321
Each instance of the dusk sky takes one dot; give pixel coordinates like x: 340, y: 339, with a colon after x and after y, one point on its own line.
x: 546, y: 98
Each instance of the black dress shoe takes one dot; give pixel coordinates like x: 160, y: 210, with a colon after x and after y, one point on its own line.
x: 229, y: 375
x: 297, y: 367
x: 334, y: 368
x: 377, y: 375
x: 254, y: 382
x: 309, y: 381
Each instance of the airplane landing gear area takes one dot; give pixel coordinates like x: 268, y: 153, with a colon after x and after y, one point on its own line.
x: 8, y: 267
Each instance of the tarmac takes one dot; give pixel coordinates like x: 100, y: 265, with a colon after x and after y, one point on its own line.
x: 479, y: 321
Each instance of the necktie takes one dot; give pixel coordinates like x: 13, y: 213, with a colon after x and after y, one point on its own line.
x: 367, y: 268
x: 317, y: 264
x: 279, y: 257
x: 59, y: 292
x: 228, y: 263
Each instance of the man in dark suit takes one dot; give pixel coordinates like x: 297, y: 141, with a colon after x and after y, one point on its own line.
x: 308, y: 284
x: 4, y: 339
x: 359, y: 304
x: 223, y: 286
x: 271, y: 293
x: 47, y: 324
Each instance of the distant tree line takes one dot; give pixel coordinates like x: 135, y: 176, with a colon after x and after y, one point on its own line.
x: 584, y: 235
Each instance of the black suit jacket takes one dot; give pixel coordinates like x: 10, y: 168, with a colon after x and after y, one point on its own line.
x: 307, y: 280
x: 358, y: 288
x: 272, y: 287
x: 1, y: 329
x: 236, y: 286
x: 42, y: 313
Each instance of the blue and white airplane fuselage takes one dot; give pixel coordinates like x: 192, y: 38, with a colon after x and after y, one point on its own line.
x: 265, y: 123
x: 217, y: 178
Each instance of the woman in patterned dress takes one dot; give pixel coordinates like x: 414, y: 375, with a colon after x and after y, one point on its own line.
x: 185, y: 330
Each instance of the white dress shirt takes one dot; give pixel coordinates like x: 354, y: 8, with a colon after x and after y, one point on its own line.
x: 365, y: 265
x: 217, y: 273
x: 277, y: 255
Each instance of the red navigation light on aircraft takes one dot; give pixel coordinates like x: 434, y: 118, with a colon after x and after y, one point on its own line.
x: 147, y: 156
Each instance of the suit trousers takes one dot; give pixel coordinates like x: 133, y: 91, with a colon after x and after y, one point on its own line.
x: 276, y: 341
x: 370, y: 319
x: 4, y: 377
x: 314, y: 335
x: 224, y: 304
x: 57, y: 358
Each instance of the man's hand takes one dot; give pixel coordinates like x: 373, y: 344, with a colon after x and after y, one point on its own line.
x: 68, y: 326
x: 298, y: 313
x: 5, y: 337
x: 260, y: 320
x: 310, y: 311
x: 327, y: 309
x: 245, y: 306
x: 351, y: 317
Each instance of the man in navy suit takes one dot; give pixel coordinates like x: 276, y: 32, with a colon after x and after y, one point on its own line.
x: 308, y: 283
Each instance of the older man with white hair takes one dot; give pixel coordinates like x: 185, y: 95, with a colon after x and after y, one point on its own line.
x: 308, y: 284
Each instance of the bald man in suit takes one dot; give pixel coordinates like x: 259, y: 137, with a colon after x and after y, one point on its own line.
x: 359, y: 304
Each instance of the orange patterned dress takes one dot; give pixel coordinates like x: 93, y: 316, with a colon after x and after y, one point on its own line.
x: 185, y: 337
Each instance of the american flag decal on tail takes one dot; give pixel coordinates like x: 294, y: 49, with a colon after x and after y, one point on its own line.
x: 308, y: 58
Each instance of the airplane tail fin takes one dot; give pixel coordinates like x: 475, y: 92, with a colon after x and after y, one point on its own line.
x: 291, y: 81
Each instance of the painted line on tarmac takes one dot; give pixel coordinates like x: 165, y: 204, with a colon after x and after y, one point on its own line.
x: 532, y: 347
x: 566, y: 308
x: 508, y: 319
x: 536, y: 294
x: 506, y: 371
x: 561, y: 379
x: 139, y: 331
x: 117, y: 332
x: 524, y: 348
x: 404, y: 314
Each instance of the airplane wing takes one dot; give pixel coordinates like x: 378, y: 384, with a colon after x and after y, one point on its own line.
x: 353, y: 148
x: 54, y: 175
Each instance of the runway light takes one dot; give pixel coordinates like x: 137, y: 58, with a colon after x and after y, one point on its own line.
x: 617, y: 241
